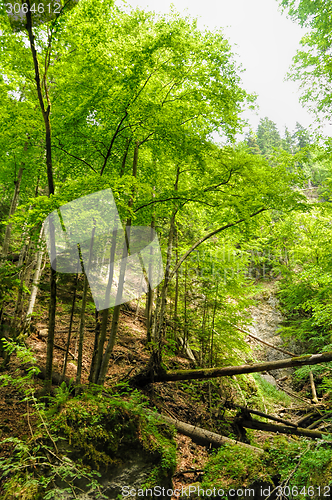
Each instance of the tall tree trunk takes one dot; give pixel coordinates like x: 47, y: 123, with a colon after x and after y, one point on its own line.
x: 46, y: 109
x: 185, y: 332
x: 203, y: 330
x: 150, y: 294
x: 212, y: 327
x: 35, y: 282
x: 176, y: 296
x: 160, y: 312
x: 100, y: 341
x: 82, y: 317
x: 17, y: 182
x: 65, y: 359
x: 81, y: 332
x: 98, y: 323
x: 117, y: 308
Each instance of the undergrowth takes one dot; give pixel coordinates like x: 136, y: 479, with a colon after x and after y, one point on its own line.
x: 75, y: 436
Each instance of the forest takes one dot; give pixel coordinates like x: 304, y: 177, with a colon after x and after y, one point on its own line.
x: 165, y: 268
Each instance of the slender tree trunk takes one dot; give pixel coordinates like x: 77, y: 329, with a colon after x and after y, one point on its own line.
x: 17, y: 182
x: 35, y: 282
x: 96, y: 344
x: 139, y: 298
x: 99, y: 343
x: 82, y: 318
x: 159, y: 323
x: 176, y: 296
x: 212, y: 329
x: 65, y: 360
x: 203, y: 329
x: 150, y: 294
x: 185, y: 332
x: 117, y: 308
x: 46, y: 109
x: 81, y: 332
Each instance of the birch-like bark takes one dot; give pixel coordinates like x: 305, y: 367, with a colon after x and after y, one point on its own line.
x: 35, y: 282
x: 6, y: 241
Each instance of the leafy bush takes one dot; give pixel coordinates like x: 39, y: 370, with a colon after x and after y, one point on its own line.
x: 76, y: 435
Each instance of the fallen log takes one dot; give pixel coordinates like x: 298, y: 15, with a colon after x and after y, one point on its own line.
x: 313, y: 388
x: 265, y: 415
x: 290, y: 393
x: 145, y: 378
x: 306, y: 417
x: 64, y: 349
x: 263, y: 341
x: 317, y: 422
x: 282, y: 429
x: 204, y: 437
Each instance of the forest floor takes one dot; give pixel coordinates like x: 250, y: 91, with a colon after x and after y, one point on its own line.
x: 176, y: 400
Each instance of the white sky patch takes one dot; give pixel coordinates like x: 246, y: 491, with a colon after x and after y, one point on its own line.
x: 265, y: 42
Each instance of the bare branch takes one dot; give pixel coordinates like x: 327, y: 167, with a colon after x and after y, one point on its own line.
x: 76, y: 157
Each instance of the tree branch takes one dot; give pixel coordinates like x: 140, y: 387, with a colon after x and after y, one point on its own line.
x: 112, y: 142
x: 76, y: 157
x: 216, y: 231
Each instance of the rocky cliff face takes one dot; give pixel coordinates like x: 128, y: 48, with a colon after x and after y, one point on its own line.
x: 267, y: 320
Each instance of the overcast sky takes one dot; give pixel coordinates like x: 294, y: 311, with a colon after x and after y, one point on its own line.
x: 265, y: 41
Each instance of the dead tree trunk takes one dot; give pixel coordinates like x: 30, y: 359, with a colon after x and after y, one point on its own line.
x: 226, y: 371
x: 265, y: 415
x: 282, y: 429
x: 204, y: 437
x: 313, y: 388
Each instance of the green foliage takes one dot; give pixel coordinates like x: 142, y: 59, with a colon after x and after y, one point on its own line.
x: 311, y: 65
x: 300, y: 464
x: 268, y: 137
x: 9, y: 282
x: 81, y: 434
x: 268, y: 394
x: 96, y: 426
x: 297, y: 465
x: 232, y: 466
